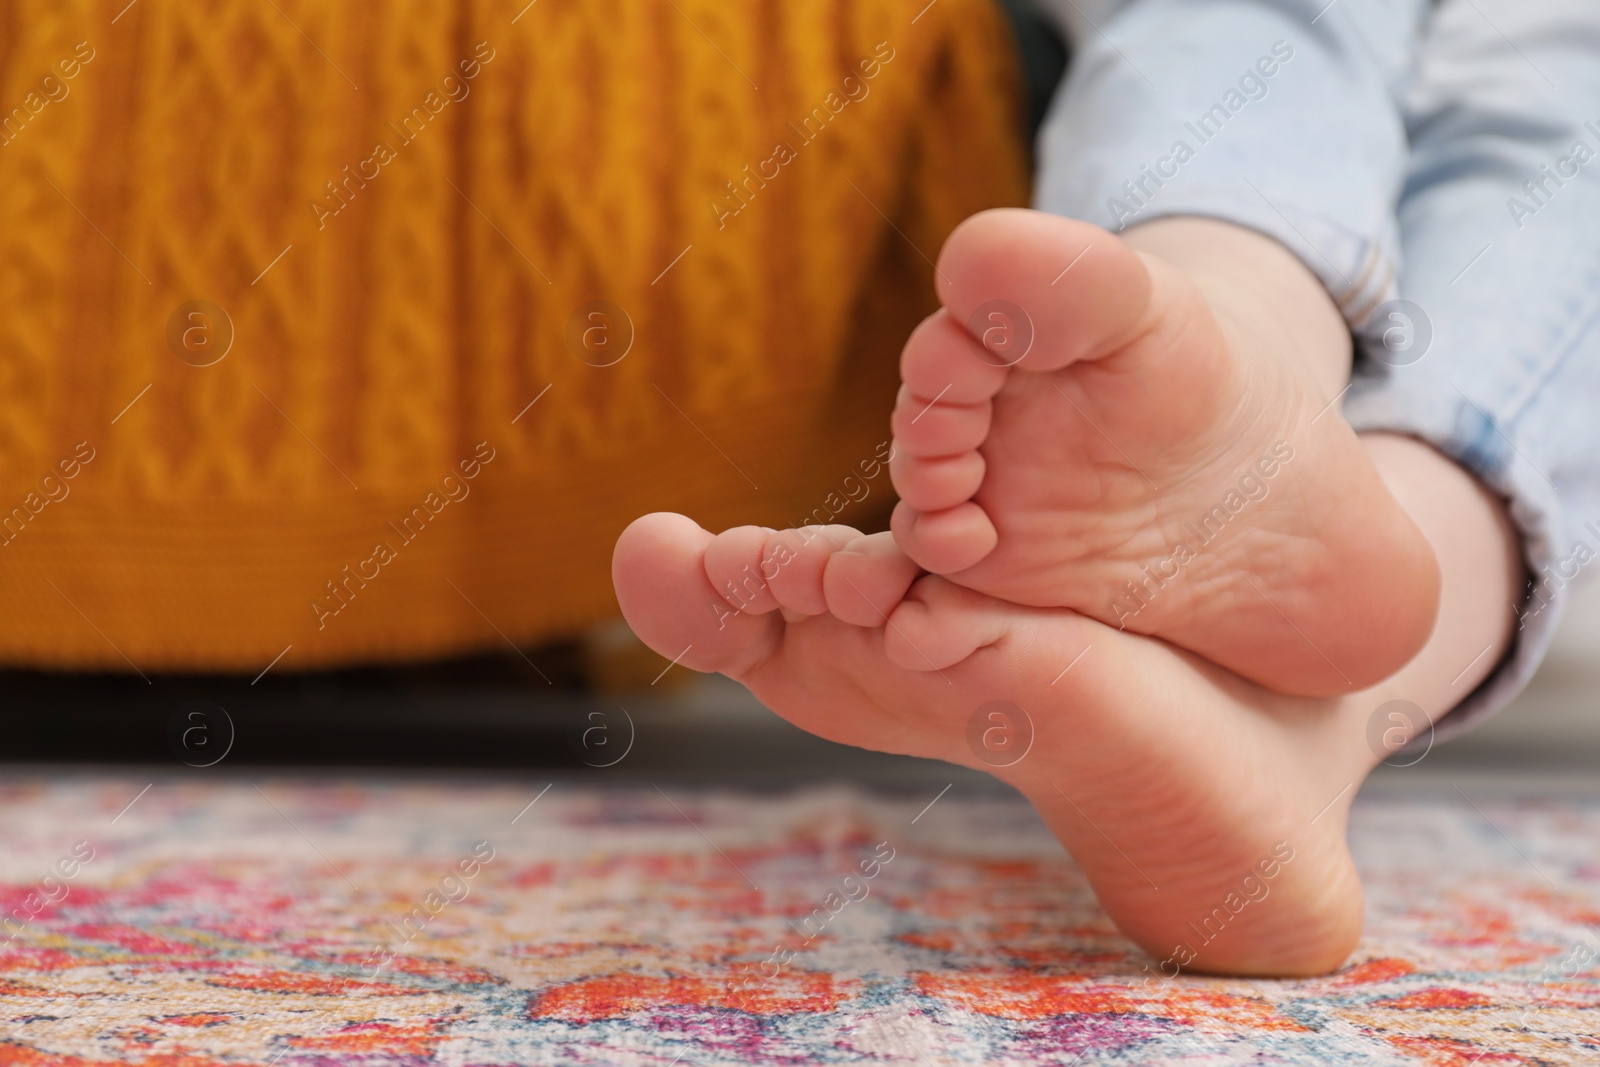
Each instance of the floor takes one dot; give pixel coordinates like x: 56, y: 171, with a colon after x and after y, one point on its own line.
x: 924, y: 917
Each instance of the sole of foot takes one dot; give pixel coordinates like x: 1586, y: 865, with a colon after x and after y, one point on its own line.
x: 1086, y: 425
x: 1205, y: 811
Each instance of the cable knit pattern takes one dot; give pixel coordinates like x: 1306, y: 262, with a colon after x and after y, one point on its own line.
x: 400, y: 207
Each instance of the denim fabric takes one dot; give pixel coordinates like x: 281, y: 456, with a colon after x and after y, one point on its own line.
x: 1437, y: 166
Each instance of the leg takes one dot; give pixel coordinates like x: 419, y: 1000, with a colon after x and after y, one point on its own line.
x: 1502, y: 273
x: 1244, y: 110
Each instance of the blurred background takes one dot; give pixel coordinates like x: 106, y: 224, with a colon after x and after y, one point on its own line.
x: 342, y: 341
x: 341, y: 344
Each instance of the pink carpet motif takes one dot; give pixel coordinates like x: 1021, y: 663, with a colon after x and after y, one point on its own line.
x: 299, y: 924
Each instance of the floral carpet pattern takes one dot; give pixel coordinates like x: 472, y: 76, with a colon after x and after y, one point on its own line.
x: 301, y: 923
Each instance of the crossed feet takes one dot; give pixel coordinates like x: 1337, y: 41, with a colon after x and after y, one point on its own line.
x: 1099, y: 444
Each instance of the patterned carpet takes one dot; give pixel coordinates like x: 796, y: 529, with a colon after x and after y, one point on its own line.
x: 305, y: 924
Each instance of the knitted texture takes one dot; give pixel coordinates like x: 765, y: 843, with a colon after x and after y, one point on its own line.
x: 401, y: 222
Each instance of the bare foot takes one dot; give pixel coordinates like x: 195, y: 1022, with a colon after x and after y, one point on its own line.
x: 1148, y: 438
x: 1208, y: 813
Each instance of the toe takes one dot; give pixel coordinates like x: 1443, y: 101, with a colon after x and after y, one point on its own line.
x: 1063, y: 290
x: 944, y: 542
x: 937, y: 483
x: 938, y: 624
x: 796, y: 561
x: 659, y: 572
x: 942, y: 361
x: 936, y: 428
x: 866, y: 579
x: 738, y: 566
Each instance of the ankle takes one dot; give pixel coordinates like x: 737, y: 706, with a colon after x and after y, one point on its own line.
x: 1481, y: 571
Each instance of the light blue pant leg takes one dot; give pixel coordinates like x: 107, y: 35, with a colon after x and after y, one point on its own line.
x: 1280, y: 115
x: 1500, y: 221
x: 1500, y: 216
